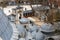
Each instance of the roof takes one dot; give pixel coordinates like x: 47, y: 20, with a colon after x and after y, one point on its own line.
x: 17, y: 8
x: 41, y: 8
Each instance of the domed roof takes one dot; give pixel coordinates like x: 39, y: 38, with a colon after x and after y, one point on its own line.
x: 47, y: 27
x: 33, y: 27
x: 24, y: 20
x: 20, y: 28
x: 6, y: 29
x: 40, y: 36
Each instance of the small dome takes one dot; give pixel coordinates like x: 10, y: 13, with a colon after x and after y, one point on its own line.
x: 29, y: 36
x: 24, y: 20
x: 33, y: 27
x: 40, y: 36
x: 47, y: 27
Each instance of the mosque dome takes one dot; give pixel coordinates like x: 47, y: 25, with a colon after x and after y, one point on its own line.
x: 5, y: 27
x: 24, y: 20
x: 47, y: 27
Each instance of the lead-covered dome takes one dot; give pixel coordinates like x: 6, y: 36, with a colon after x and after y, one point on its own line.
x: 5, y: 27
